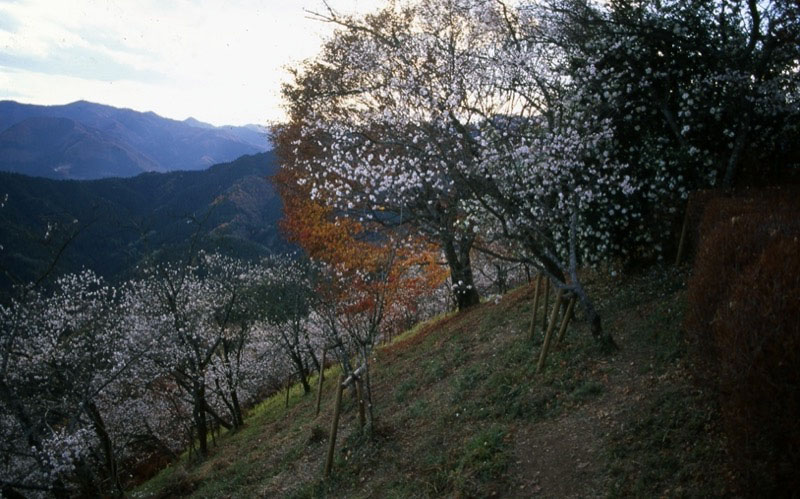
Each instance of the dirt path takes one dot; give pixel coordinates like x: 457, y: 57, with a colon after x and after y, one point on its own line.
x: 564, y: 456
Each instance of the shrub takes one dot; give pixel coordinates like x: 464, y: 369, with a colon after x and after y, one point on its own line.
x: 733, y: 233
x: 721, y: 207
x: 759, y: 365
x: 743, y: 327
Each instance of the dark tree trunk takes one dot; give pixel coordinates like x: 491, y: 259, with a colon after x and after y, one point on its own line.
x: 108, y: 447
x: 10, y: 493
x: 231, y: 403
x: 313, y: 356
x: 735, y: 158
x: 219, y: 419
x: 238, y: 419
x: 200, y: 420
x: 234, y: 407
x: 604, y: 338
x: 302, y: 371
x: 458, y: 259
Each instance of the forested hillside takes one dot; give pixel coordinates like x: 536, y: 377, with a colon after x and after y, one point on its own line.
x: 109, y: 225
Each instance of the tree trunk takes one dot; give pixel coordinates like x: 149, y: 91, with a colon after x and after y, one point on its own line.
x: 200, y: 420
x: 593, y: 318
x: 108, y: 447
x: 311, y: 353
x: 238, y: 419
x: 734, y: 159
x: 367, y: 385
x: 302, y: 372
x: 458, y: 259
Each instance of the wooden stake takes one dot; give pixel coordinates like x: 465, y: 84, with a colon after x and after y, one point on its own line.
x: 536, y: 292
x: 549, y: 333
x: 288, y: 385
x: 546, y: 300
x: 362, y: 419
x: 334, y: 427
x: 565, y: 322
x: 682, y: 240
x: 321, y: 380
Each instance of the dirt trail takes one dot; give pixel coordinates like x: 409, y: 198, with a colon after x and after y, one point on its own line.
x: 564, y: 456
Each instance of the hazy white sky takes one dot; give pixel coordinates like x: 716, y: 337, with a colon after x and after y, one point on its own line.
x: 220, y: 61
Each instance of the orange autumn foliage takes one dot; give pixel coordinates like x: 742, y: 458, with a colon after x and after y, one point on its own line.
x: 372, y: 269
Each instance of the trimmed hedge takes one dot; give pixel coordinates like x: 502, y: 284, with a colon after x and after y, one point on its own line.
x: 743, y: 327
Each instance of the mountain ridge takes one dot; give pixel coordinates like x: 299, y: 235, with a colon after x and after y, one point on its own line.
x: 142, y: 141
x: 55, y: 147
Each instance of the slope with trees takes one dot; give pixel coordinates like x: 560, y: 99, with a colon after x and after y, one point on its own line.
x: 563, y: 135
x: 532, y: 126
x: 118, y: 222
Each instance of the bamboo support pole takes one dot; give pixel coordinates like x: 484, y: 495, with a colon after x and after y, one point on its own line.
x: 682, y: 241
x: 536, y: 293
x: 565, y: 322
x: 334, y: 427
x: 362, y: 418
x: 321, y: 380
x: 546, y: 301
x: 288, y: 386
x: 548, y: 335
x: 355, y: 374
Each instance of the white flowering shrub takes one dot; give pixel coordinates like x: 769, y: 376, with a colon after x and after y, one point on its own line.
x: 59, y: 353
x: 696, y: 94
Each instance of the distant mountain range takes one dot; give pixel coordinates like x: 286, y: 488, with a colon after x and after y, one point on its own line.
x: 116, y: 223
x: 84, y: 141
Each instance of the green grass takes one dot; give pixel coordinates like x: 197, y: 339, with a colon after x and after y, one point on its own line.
x: 665, y: 445
x: 404, y: 389
x: 484, y: 459
x: 452, y: 395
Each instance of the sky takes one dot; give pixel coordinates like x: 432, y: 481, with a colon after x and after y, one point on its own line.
x: 219, y: 61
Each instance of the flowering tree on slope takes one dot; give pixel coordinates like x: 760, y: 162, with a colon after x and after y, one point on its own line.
x: 385, y: 108
x: 455, y: 97
x: 201, y: 317
x: 60, y: 353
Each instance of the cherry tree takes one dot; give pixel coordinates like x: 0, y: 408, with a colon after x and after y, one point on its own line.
x: 618, y: 111
x: 153, y: 410
x: 547, y: 192
x: 200, y: 315
x: 698, y: 93
x: 386, y: 108
x: 60, y: 353
x: 235, y: 316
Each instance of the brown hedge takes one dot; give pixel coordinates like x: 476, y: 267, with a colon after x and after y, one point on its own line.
x: 742, y: 327
x: 723, y: 206
x: 758, y: 336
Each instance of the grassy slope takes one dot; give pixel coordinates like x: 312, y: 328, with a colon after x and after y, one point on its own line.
x: 460, y: 412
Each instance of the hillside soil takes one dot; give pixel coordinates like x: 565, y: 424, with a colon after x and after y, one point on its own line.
x: 461, y: 412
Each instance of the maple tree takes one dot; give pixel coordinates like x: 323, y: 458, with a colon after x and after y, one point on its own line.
x: 354, y: 250
x: 370, y: 278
